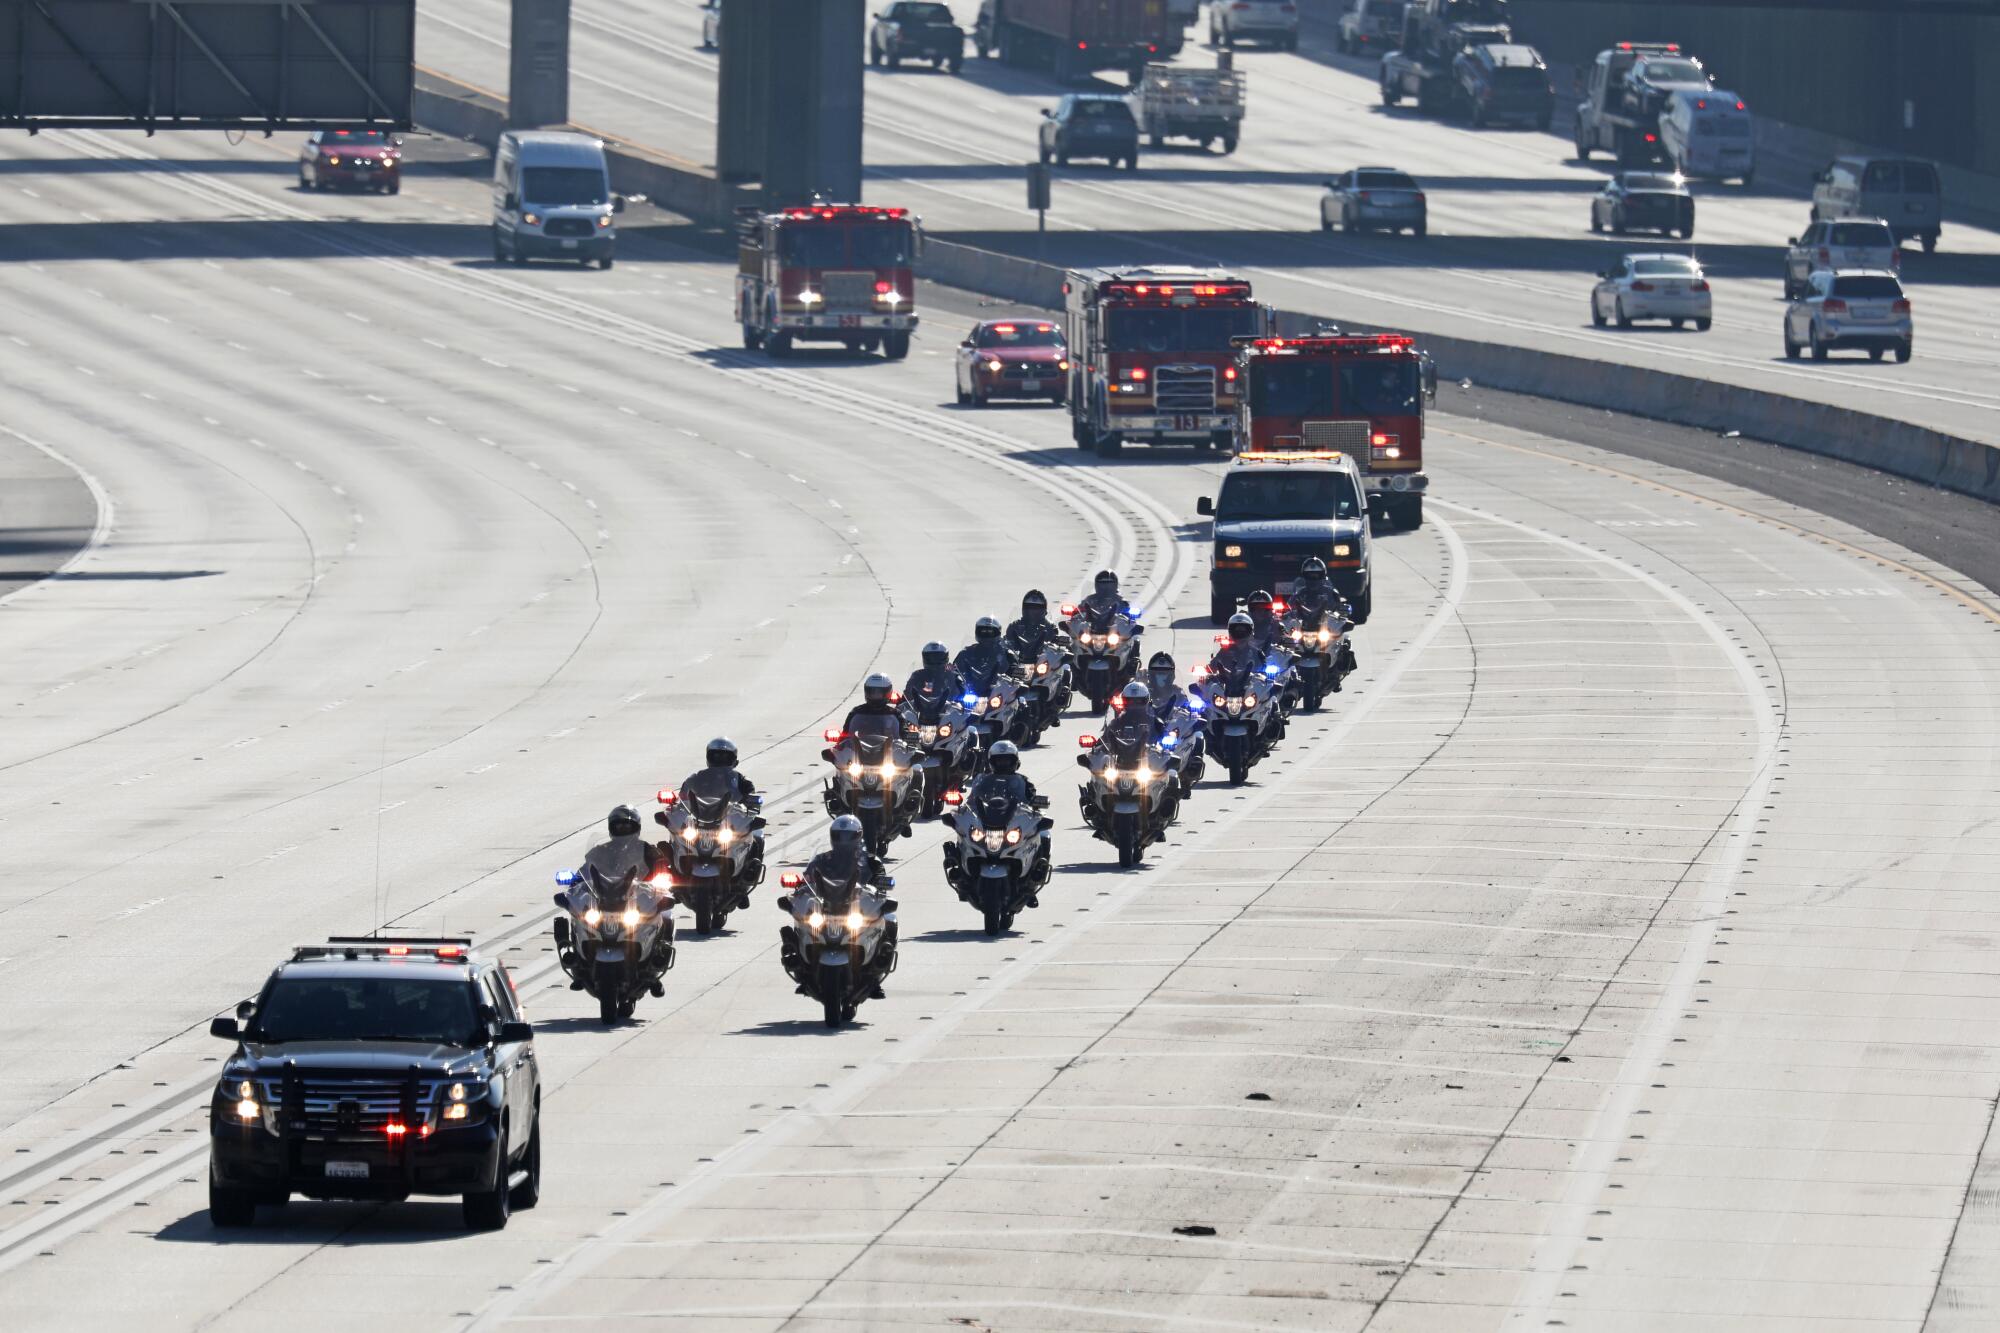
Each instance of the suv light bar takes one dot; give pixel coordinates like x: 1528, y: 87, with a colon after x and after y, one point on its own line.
x: 443, y: 948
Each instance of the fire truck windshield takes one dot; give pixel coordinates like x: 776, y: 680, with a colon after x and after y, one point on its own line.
x: 1318, y: 496
x: 1373, y: 386
x: 1193, y: 329
x: 841, y: 245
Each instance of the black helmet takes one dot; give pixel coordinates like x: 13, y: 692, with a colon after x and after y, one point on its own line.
x: 722, y: 753
x: 877, y: 688
x: 1106, y: 581
x: 1004, y: 758
x: 624, y: 822
x: 987, y: 630
x: 1160, y: 671
x: 846, y: 834
x: 1241, y: 627
x: 1313, y: 568
x: 1034, y: 603
x: 936, y: 654
x: 1260, y: 600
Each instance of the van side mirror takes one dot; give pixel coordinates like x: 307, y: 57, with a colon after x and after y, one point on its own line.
x: 1048, y: 113
x: 1205, y: 505
x: 618, y: 203
x: 516, y: 1031
x: 1430, y: 379
x: 226, y: 1028
x: 1791, y: 240
x: 511, y: 202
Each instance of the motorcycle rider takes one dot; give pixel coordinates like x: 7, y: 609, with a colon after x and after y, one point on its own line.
x: 1240, y: 657
x: 983, y: 660
x: 1003, y: 778
x: 1136, y: 723
x: 1106, y: 599
x: 935, y: 682
x: 719, y: 780
x: 1317, y: 600
x: 836, y: 875
x: 1265, y: 626
x: 876, y: 713
x: 624, y: 850
x: 1034, y: 631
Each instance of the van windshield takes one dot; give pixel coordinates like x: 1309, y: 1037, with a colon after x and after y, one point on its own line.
x: 1279, y: 494
x: 563, y: 185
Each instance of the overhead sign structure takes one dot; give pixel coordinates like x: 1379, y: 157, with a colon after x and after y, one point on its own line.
x: 206, y: 64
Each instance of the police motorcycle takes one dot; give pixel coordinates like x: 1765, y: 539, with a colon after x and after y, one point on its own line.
x: 1001, y: 861
x: 1324, y: 656
x: 940, y: 734
x: 1245, y: 717
x: 1046, y: 690
x: 874, y: 779
x: 994, y: 709
x: 841, y: 940
x: 715, y: 849
x: 1107, y: 652
x: 1184, y: 734
x: 616, y: 939
x: 1133, y: 792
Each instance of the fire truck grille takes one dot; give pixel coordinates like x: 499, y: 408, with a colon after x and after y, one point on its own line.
x: 1184, y: 388
x: 848, y: 291
x: 1351, y: 436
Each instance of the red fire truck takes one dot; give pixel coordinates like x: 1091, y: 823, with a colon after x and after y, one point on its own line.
x: 1152, y: 355
x: 838, y: 273
x: 1364, y: 396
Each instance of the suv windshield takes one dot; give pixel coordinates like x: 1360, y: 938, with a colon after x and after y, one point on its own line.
x: 1199, y: 329
x: 563, y: 185
x: 1020, y: 335
x: 1288, y: 495
x: 1861, y: 233
x: 1383, y: 180
x: 1868, y: 287
x: 386, y: 1008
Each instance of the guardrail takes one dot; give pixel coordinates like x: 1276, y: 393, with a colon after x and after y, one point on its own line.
x: 1968, y: 467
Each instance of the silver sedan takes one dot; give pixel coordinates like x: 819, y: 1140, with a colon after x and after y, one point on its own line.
x: 1669, y: 287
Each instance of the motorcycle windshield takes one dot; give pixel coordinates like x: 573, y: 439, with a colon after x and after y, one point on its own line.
x: 876, y: 731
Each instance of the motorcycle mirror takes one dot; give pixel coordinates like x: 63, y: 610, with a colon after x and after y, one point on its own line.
x: 791, y: 879
x: 1044, y: 825
x: 561, y: 901
x: 667, y: 797
x: 1083, y: 761
x: 562, y: 932
x: 827, y: 754
x: 565, y: 878
x: 660, y: 818
x: 889, y: 905
x: 785, y: 902
x: 758, y: 822
x: 226, y: 1028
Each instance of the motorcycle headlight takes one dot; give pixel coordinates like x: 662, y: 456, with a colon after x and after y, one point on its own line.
x: 888, y: 768
x: 591, y: 916
x: 944, y: 729
x: 725, y: 836
x: 995, y: 701
x: 688, y: 834
x: 1013, y: 836
x: 816, y: 920
x: 854, y: 768
x: 1144, y: 773
x: 1111, y: 639
x: 1041, y: 668
x: 975, y: 832
x: 854, y: 919
x: 631, y: 918
x: 1249, y: 699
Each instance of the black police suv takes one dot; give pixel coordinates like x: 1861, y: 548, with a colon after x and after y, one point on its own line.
x: 378, y: 1068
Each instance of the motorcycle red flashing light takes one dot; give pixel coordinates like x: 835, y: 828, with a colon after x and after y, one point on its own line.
x: 1278, y: 606
x: 1085, y: 741
x: 791, y: 879
x: 833, y: 735
x: 667, y: 797
x: 1118, y: 703
x: 1069, y: 608
x: 954, y: 797
x: 395, y: 1129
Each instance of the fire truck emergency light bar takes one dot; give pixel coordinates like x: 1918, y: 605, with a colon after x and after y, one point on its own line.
x: 845, y: 211
x: 1360, y: 342
x: 1183, y: 289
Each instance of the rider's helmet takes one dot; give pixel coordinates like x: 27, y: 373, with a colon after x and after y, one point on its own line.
x: 722, y: 753
x: 1004, y: 758
x: 624, y: 822
x: 1034, y: 604
x: 1107, y: 582
x: 1260, y: 600
x: 1135, y: 693
x: 1314, y: 568
x: 1160, y: 672
x: 987, y: 630
x: 877, y: 688
x: 936, y: 654
x: 846, y: 834
x: 1241, y: 627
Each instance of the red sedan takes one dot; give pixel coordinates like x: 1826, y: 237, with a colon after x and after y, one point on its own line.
x: 1012, y: 358
x: 351, y: 159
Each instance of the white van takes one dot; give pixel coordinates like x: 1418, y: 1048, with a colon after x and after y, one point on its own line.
x: 552, y: 198
x: 1707, y: 133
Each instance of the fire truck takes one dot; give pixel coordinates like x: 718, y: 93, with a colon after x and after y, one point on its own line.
x: 1152, y: 355
x: 835, y: 273
x: 1364, y: 396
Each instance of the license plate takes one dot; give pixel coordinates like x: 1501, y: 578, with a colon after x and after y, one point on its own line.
x: 850, y: 321
x: 1030, y: 386
x: 569, y: 245
x: 347, y: 1170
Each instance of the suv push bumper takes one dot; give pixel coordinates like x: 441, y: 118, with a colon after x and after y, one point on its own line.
x: 449, y: 1162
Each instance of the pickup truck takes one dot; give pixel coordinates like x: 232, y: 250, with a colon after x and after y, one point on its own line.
x: 1205, y: 105
x: 916, y: 30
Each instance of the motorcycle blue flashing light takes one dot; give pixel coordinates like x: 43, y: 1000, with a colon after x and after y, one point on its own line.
x: 566, y: 877
x: 1194, y: 703
x: 1271, y: 670
x: 969, y: 700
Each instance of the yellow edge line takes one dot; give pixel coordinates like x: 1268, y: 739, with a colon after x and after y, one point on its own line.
x: 1972, y: 603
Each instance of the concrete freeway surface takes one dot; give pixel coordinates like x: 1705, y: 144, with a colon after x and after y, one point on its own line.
x: 1509, y: 259
x: 1616, y: 952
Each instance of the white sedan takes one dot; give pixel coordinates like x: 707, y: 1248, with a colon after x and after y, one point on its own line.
x: 1669, y: 287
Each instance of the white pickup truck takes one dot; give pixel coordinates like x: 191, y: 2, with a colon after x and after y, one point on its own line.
x: 1205, y: 105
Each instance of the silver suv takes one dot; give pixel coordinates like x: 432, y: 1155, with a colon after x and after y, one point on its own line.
x: 1861, y: 308
x: 1851, y: 243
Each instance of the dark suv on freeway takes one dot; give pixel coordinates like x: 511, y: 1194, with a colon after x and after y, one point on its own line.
x: 373, y: 1068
